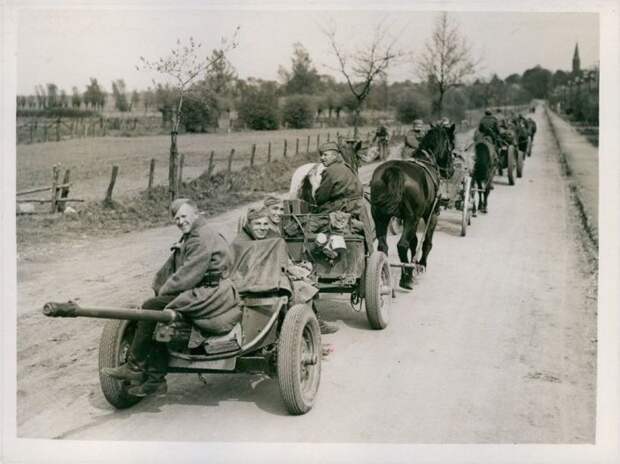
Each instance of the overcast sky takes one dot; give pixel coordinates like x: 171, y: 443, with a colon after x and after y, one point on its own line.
x: 67, y: 47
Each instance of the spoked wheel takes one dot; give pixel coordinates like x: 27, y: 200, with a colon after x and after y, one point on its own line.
x: 113, y: 348
x: 511, y: 161
x: 520, y: 162
x: 299, y: 359
x: 378, y: 290
x: 467, y: 206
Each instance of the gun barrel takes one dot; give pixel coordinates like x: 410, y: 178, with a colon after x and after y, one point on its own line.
x: 71, y: 309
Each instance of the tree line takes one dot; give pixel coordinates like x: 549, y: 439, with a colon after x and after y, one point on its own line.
x: 303, y: 97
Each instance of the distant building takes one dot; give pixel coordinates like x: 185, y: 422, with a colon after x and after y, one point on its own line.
x: 576, y: 61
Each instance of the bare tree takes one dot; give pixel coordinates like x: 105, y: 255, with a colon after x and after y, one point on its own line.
x: 446, y: 60
x: 181, y: 68
x: 363, y: 65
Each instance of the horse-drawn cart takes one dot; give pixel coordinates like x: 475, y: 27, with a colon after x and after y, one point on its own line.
x: 342, y: 259
x: 457, y: 192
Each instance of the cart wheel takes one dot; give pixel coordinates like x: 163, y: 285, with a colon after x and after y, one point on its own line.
x: 467, y: 207
x: 113, y: 347
x: 378, y: 290
x: 511, y: 165
x: 299, y: 359
x: 520, y: 161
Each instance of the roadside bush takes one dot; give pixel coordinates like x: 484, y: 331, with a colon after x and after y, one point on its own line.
x: 258, y: 109
x: 198, y: 115
x: 411, y: 107
x: 298, y: 112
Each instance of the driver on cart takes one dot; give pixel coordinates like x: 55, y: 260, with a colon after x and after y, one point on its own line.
x: 489, y: 126
x: 193, y: 281
x: 340, y: 189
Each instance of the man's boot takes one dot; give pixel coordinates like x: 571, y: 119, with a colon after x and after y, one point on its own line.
x: 327, y: 327
x: 155, y: 384
x: 132, y: 370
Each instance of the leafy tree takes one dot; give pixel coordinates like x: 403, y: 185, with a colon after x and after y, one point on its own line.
x: 52, y: 95
x: 446, y: 60
x: 94, y: 95
x: 258, y: 107
x: 537, y: 81
x: 303, y: 78
x: 513, y: 79
x: 165, y: 100
x: 76, y: 99
x: 199, y: 112
x: 412, y: 106
x: 119, y: 92
x: 298, y: 112
x: 135, y: 99
x: 41, y: 96
x: 62, y: 99
x: 560, y: 78
x: 148, y: 99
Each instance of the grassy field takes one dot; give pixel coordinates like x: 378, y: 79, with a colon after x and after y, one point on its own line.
x: 91, y: 159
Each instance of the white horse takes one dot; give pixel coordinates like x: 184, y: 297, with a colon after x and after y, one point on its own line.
x: 305, y: 181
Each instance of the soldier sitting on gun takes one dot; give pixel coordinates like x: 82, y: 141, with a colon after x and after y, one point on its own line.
x: 193, y: 281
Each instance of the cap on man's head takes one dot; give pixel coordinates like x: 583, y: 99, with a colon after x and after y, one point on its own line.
x: 271, y: 200
x: 255, y: 213
x: 488, y: 112
x: 327, y: 146
x: 176, y: 204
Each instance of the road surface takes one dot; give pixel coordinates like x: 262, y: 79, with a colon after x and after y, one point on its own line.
x: 495, y: 344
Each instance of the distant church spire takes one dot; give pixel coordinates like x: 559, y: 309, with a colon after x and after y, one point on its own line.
x: 576, y: 60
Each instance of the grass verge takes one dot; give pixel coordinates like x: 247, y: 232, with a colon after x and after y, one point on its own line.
x: 214, y: 195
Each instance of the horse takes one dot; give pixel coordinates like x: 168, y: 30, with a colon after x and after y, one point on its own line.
x: 485, y: 163
x: 408, y: 190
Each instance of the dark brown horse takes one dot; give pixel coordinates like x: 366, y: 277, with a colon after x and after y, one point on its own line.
x: 408, y: 190
x: 485, y: 164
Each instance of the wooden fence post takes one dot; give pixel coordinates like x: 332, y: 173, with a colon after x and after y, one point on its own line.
x: 328, y: 136
x: 318, y: 142
x: 64, y: 191
x: 285, y: 146
x: 55, y: 174
x: 210, y: 167
x: 151, y: 175
x: 297, y: 146
x: 269, y: 152
x: 108, y: 196
x: 181, y: 164
x: 308, y: 145
x: 45, y: 132
x: 58, y: 130
x: 104, y: 126
x: 86, y: 129
x: 31, y: 133
x: 230, y: 158
x: 252, y: 155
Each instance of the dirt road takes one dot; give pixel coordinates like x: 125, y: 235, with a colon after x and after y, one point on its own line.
x: 495, y: 344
